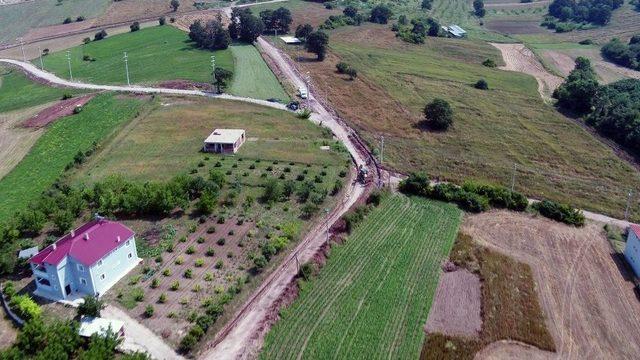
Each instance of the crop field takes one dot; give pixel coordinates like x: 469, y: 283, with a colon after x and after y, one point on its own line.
x: 372, y: 297
x: 19, y: 18
x: 15, y: 140
x: 253, y: 78
x: 57, y: 146
x: 554, y: 157
x: 18, y: 92
x: 157, y: 147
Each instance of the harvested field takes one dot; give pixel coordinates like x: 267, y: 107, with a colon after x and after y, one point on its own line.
x: 515, y: 26
x: 456, y: 306
x: 15, y: 141
x: 519, y: 58
x: 53, y: 113
x: 127, y: 10
x: 185, y: 20
x: 585, y: 290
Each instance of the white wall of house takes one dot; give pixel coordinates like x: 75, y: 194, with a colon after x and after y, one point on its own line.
x: 114, y: 266
x: 632, y: 252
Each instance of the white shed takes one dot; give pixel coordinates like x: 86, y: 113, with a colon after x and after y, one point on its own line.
x: 224, y: 141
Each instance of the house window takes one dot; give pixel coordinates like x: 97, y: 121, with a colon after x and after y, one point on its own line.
x: 44, y: 282
x: 102, y: 277
x: 100, y: 263
x: 80, y: 268
x: 130, y: 255
x: 128, y: 242
x: 83, y: 281
x: 40, y: 267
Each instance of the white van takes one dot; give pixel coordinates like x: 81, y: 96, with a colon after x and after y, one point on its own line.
x: 303, y: 93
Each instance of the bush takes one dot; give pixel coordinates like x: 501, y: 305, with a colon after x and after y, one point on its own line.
x: 175, y: 286
x: 439, y: 114
x: 135, y: 26
x: 560, y: 212
x: 67, y: 21
x: 162, y: 21
x: 260, y: 262
x: 25, y: 307
x: 342, y: 67
x: 489, y: 63
x: 481, y: 84
x: 100, y: 35
x: 162, y: 299
x: 221, y: 241
x: 148, y: 311
x: 188, y: 274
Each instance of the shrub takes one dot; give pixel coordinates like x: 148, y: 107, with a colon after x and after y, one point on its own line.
x: 259, y: 262
x: 560, y: 212
x: 199, y: 263
x: 211, y: 229
x: 439, y: 114
x: 179, y: 260
x: 155, y: 283
x: 210, y: 252
x: 135, y: 26
x: 138, y: 295
x: 162, y: 21
x: 188, y: 274
x: 200, y: 240
x: 307, y: 270
x: 219, y: 264
x: 149, y: 310
x: 190, y: 250
x: 482, y: 85
x: 67, y: 21
x: 208, y: 277
x: 166, y: 272
x: 90, y: 307
x: 175, y: 286
x: 342, y: 67
x: 221, y: 241
x: 25, y: 307
x: 162, y: 299
x: 66, y: 96
x: 187, y: 343
x: 489, y: 63
x: 100, y: 35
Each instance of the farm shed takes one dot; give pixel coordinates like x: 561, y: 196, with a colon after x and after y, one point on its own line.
x: 28, y: 253
x: 224, y: 141
x: 632, y: 249
x: 455, y: 31
x: 290, y: 40
x: 100, y: 326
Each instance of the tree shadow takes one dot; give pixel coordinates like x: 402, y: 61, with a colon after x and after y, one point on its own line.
x: 427, y: 126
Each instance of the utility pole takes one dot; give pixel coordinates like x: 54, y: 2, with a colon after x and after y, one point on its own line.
x: 513, y: 177
x: 126, y: 67
x: 626, y: 211
x: 24, y: 58
x: 213, y: 69
x: 40, y: 54
x: 69, y: 62
x: 381, y: 148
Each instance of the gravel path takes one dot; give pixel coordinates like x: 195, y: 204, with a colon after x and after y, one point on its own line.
x: 138, y: 338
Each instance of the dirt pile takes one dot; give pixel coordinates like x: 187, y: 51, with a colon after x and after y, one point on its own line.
x: 53, y: 113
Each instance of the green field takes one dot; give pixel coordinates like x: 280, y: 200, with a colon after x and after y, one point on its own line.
x: 157, y: 147
x: 155, y: 54
x: 493, y: 130
x: 253, y: 78
x: 372, y: 297
x: 56, y: 148
x: 18, y: 19
x: 17, y: 92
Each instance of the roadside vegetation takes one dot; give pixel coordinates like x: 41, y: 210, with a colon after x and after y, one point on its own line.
x: 367, y: 299
x: 511, y: 310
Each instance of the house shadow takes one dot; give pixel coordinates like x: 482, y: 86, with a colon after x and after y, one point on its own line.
x: 623, y: 267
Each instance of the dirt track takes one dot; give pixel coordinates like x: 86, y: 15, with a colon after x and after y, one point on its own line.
x: 591, y: 308
x: 518, y: 57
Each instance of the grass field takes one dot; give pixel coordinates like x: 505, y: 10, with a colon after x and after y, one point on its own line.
x: 18, y: 19
x: 56, y: 148
x: 157, y: 147
x: 155, y: 54
x: 18, y: 92
x: 253, y: 78
x: 493, y: 130
x: 373, y: 296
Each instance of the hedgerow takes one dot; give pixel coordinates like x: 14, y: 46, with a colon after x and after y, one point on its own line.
x: 560, y: 212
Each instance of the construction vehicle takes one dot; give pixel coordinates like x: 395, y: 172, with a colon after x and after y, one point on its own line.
x: 363, y: 174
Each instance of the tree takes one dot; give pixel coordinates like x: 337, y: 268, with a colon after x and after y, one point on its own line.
x: 303, y: 31
x: 426, y: 4
x: 222, y: 77
x: 175, y: 4
x: 439, y: 114
x: 207, y: 203
x: 380, y: 14
x: 272, y: 192
x: 100, y: 35
x: 350, y: 11
x: 579, y: 88
x: 317, y: 43
x: 277, y: 20
x: 212, y: 36
x: 250, y: 28
x: 135, y: 26
x: 478, y: 8
x: 63, y: 220
x: 90, y: 307
x: 162, y: 20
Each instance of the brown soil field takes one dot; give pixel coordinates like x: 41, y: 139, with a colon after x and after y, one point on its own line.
x: 15, y: 140
x: 134, y: 9
x: 564, y: 61
x: 518, y: 57
x: 38, y: 33
x: 586, y: 291
x: 184, y: 21
x: 456, y: 305
x: 53, y: 113
x: 516, y: 26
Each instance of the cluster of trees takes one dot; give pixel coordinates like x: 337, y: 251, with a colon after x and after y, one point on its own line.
x: 303, y: 31
x: 560, y: 212
x: 590, y: 11
x: 350, y: 16
x: 276, y: 21
x: 211, y: 36
x: 478, y: 8
x: 579, y: 88
x: 244, y: 25
x: 471, y: 196
x: 419, y: 30
x: 380, y: 14
x: 627, y: 55
x: 426, y: 4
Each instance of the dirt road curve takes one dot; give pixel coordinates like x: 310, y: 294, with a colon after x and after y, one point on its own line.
x: 139, y: 338
x: 585, y: 290
x: 51, y: 78
x: 519, y: 58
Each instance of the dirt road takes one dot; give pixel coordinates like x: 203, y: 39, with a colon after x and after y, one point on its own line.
x: 138, y: 337
x: 585, y: 290
x: 519, y: 58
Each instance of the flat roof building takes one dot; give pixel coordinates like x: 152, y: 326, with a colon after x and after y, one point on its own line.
x: 224, y: 141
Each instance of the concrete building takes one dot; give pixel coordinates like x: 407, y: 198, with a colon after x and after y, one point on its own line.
x: 87, y: 261
x: 224, y: 141
x: 632, y: 249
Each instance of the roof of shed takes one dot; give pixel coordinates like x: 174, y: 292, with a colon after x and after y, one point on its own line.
x: 224, y: 136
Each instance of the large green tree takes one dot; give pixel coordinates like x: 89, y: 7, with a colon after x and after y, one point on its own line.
x: 579, y: 88
x: 317, y: 43
x: 439, y: 114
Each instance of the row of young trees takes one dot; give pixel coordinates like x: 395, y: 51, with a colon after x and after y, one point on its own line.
x: 613, y: 109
